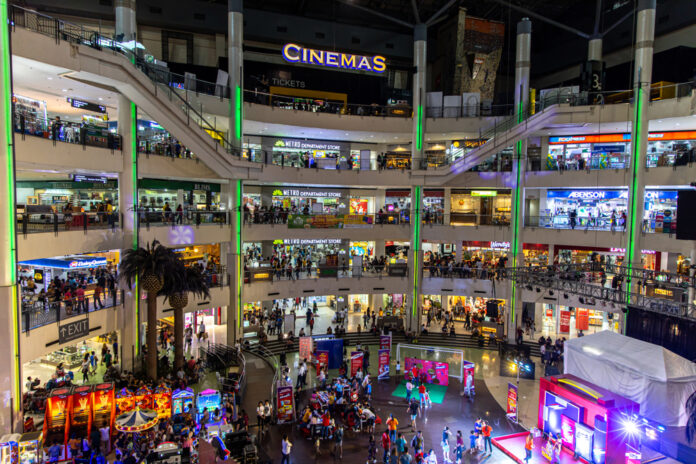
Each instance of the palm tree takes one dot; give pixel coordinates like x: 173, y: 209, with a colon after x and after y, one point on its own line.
x: 185, y: 280
x: 152, y: 266
x: 691, y: 423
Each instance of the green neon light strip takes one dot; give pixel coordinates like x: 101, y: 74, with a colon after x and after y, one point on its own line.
x: 238, y: 113
x: 515, y: 246
x: 238, y: 248
x: 633, y: 200
x: 419, y: 128
x: 11, y: 232
x: 134, y: 173
x: 416, y: 220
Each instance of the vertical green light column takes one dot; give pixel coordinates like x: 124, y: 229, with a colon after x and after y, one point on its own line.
x: 9, y: 295
x: 420, y: 35
x: 238, y: 249
x: 134, y: 208
x: 417, y: 193
x: 235, y: 69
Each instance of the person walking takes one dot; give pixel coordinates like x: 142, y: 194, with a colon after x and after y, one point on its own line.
x: 386, y: 444
x: 409, y: 390
x: 412, y: 409
x: 286, y: 448
x: 446, y: 434
x: 338, y: 442
x: 392, y: 424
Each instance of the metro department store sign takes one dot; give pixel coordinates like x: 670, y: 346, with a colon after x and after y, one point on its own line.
x: 293, y: 53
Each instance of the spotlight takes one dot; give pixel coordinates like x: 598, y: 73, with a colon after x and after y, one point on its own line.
x: 630, y: 427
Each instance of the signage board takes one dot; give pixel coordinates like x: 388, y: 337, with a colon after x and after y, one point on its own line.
x: 512, y: 401
x: 73, y: 330
x: 84, y: 105
x: 309, y: 193
x: 285, y: 405
x: 356, y: 362
x: 93, y: 179
x: 383, y: 364
x: 582, y: 319
x: 564, y: 326
x: 293, y: 53
x: 305, y: 348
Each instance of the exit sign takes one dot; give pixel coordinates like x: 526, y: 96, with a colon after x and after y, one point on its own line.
x: 73, y: 330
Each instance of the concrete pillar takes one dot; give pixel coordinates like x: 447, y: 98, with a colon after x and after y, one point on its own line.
x: 415, y: 261
x: 11, y: 380
x: 129, y: 320
x: 126, y: 28
x: 594, y: 48
x: 420, y: 36
x: 447, y: 206
x: 234, y: 262
x: 645, y: 35
x: 235, y: 57
x: 522, y: 64
x: 380, y: 198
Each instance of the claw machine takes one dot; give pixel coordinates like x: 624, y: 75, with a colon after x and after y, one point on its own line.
x: 30, y: 444
x: 56, y: 420
x: 9, y: 449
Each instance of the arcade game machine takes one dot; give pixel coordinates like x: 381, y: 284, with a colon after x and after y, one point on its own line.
x: 56, y: 424
x: 30, y: 448
x: 209, y: 400
x: 103, y: 409
x: 163, y: 401
x: 125, y: 401
x: 143, y: 398
x: 81, y: 411
x: 182, y: 401
x: 9, y: 449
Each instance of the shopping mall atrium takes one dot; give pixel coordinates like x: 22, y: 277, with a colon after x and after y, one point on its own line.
x: 293, y: 231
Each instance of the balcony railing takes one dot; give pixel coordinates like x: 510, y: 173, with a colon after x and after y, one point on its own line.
x: 35, y: 222
x: 37, y: 313
x: 64, y: 131
x: 151, y: 218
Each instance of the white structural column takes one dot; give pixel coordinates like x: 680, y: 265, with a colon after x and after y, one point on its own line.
x: 126, y: 28
x: 235, y: 35
x: 522, y: 65
x: 10, y: 386
x: 420, y: 63
x: 642, y: 76
x: 234, y: 261
x: 413, y: 306
x: 594, y: 48
x: 129, y: 319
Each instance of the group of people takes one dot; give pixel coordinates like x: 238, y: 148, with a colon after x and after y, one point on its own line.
x: 474, y: 268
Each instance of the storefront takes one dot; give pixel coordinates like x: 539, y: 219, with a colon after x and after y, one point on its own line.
x: 433, y: 206
x: 358, y: 303
x: 398, y: 158
x: 362, y: 248
x: 480, y: 207
x: 536, y: 254
x: 33, y: 115
x: 475, y: 305
x: 575, y: 254
x: 205, y: 256
x: 82, y: 193
x: 610, y: 151
x: 154, y: 139
x: 660, y: 211
x: 154, y: 194
x: 432, y: 249
x: 311, y: 201
x: 564, y: 321
x: 430, y: 302
x: 459, y: 148
x: 436, y: 155
x: 320, y: 154
x: 396, y: 252
x: 393, y: 304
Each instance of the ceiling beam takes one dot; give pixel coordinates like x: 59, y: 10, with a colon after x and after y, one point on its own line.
x: 376, y: 13
x: 543, y: 18
x: 439, y: 12
x: 415, y: 11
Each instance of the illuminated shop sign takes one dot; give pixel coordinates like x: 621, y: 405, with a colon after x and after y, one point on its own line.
x: 293, y: 53
x: 309, y: 193
x: 484, y: 193
x: 604, y: 138
x: 623, y: 250
x: 94, y: 179
x: 312, y: 241
x: 500, y: 245
x: 588, y: 194
x: 84, y: 105
x: 81, y: 264
x: 307, y: 145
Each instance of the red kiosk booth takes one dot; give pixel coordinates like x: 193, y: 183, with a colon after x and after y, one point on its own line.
x: 588, y: 420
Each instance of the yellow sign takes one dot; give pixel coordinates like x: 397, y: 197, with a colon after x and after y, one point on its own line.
x: 663, y: 292
x: 293, y: 53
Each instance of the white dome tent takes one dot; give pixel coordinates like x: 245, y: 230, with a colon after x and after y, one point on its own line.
x: 659, y: 380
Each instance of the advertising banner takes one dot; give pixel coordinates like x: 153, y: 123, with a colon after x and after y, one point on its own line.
x: 305, y: 348
x: 322, y: 360
x: 565, y: 321
x: 357, y: 220
x: 357, y: 205
x: 434, y: 371
x: 582, y: 319
x: 385, y: 342
x: 285, y: 405
x: 356, y: 362
x: 383, y: 358
x: 512, y: 401
x: 323, y: 221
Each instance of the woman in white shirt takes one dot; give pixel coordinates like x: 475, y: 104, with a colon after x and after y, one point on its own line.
x: 260, y: 416
x: 268, y: 412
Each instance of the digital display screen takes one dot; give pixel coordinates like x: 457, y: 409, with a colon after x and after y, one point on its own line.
x: 583, y: 441
x: 83, y: 105
x: 568, y: 432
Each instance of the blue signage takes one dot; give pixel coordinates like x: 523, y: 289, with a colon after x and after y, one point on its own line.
x: 590, y: 194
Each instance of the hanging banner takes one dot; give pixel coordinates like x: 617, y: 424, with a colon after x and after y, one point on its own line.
x: 305, y: 348
x: 322, y: 360
x: 512, y: 402
x: 357, y: 220
x: 285, y: 404
x: 582, y: 319
x: 383, y: 363
x: 323, y: 221
x: 385, y: 342
x: 565, y: 321
x: 356, y: 362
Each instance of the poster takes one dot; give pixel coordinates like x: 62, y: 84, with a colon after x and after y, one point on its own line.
x: 383, y: 358
x: 285, y: 404
x: 435, y: 372
x: 305, y: 348
x: 582, y: 319
x: 568, y: 432
x: 323, y: 221
x: 565, y: 321
x: 356, y: 362
x: 385, y: 342
x: 358, y: 206
x: 512, y: 401
x: 322, y: 360
x: 357, y: 220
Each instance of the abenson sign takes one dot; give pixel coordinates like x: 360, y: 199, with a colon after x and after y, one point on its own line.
x: 294, y: 53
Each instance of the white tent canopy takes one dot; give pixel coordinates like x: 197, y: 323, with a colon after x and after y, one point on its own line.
x: 659, y: 380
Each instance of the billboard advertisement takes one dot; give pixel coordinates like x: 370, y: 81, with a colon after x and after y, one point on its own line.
x: 434, y: 371
x: 383, y: 364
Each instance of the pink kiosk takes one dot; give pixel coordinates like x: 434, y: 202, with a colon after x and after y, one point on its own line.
x: 586, y: 418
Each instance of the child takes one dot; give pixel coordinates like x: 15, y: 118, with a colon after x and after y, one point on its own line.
x: 368, y: 390
x: 472, y: 442
x: 428, y: 402
x: 479, y: 442
x: 372, y: 450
